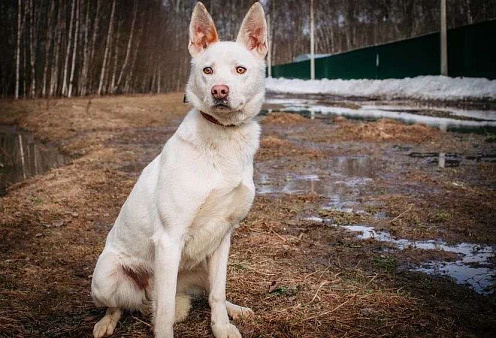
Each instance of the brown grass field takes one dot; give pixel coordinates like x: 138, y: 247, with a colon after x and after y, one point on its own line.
x: 302, y: 277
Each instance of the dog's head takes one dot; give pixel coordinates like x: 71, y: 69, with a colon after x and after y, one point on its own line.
x: 227, y: 79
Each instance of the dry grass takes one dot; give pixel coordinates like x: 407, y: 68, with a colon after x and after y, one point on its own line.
x: 468, y: 214
x: 272, y: 146
x: 283, y: 118
x: 386, y: 130
x: 302, y: 278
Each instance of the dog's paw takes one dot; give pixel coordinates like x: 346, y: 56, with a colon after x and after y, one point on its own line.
x: 237, y: 312
x: 226, y: 331
x: 105, y: 327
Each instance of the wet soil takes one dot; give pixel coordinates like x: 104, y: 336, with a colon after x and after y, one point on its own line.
x: 293, y: 260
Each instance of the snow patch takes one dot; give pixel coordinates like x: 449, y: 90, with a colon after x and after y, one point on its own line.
x: 422, y: 88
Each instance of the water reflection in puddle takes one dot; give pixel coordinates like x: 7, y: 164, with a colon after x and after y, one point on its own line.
x: 340, y: 181
x: 472, y: 269
x: 443, y: 118
x: 444, y: 160
x: 22, y: 157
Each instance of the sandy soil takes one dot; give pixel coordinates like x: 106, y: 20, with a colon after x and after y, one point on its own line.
x: 301, y: 276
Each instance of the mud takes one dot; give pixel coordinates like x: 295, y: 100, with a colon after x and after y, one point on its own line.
x: 293, y: 260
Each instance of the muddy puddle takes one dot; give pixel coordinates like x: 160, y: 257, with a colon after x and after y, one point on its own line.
x: 444, y: 118
x: 21, y: 157
x: 472, y: 268
x: 341, y: 182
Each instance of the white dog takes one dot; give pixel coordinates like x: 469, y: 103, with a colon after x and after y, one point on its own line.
x: 173, y: 233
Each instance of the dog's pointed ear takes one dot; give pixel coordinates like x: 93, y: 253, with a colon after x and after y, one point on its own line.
x: 202, y: 32
x: 253, y: 31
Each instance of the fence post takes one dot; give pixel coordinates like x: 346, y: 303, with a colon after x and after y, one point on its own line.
x: 444, y: 40
x: 312, y: 47
x: 269, y: 45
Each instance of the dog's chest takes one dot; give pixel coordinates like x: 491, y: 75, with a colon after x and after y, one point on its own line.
x: 221, y: 211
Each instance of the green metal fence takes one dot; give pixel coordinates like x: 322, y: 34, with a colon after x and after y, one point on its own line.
x: 471, y: 53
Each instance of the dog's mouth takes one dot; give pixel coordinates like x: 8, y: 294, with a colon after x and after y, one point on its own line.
x: 221, y: 104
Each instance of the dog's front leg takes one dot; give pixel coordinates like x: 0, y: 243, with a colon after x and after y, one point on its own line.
x: 217, y: 269
x: 167, y: 257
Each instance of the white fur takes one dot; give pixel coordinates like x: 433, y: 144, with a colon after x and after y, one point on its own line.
x: 174, y: 230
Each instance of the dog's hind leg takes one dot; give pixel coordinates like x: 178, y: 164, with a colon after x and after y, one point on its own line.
x: 117, y: 287
x: 106, y: 325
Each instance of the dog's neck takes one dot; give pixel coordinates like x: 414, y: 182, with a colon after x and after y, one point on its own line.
x: 208, y: 137
x: 212, y: 119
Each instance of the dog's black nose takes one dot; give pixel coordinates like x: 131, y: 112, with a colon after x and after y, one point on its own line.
x: 220, y: 92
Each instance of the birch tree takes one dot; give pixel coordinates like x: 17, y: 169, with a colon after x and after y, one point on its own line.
x: 74, y: 53
x: 68, y: 51
x: 48, y: 45
x: 128, y: 49
x: 18, y: 47
x: 105, y: 55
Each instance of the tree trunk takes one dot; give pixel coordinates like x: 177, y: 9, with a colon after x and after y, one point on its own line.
x: 54, y: 79
x: 48, y: 46
x: 105, y: 55
x: 128, y: 49
x: 74, y: 53
x: 84, y: 73
x: 68, y: 51
x: 130, y: 74
x: 116, y: 56
x: 18, y: 47
x: 32, y: 47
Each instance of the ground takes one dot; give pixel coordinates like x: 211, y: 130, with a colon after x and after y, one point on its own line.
x: 303, y: 274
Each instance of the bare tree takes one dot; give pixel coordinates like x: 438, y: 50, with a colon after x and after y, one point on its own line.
x: 107, y: 44
x: 32, y: 46
x: 48, y: 45
x: 74, y: 53
x: 18, y: 47
x: 129, y: 44
x: 68, y: 51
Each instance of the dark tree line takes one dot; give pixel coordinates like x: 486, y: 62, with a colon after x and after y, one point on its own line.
x: 100, y: 47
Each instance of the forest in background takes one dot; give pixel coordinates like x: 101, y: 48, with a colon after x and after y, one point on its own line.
x: 101, y: 47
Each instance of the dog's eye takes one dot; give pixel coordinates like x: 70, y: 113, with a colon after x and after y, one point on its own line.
x: 240, y: 70
x: 208, y: 70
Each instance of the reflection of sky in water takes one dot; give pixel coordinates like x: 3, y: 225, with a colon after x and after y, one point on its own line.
x: 473, y: 268
x: 344, y: 172
x: 402, y: 113
x: 344, y: 177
